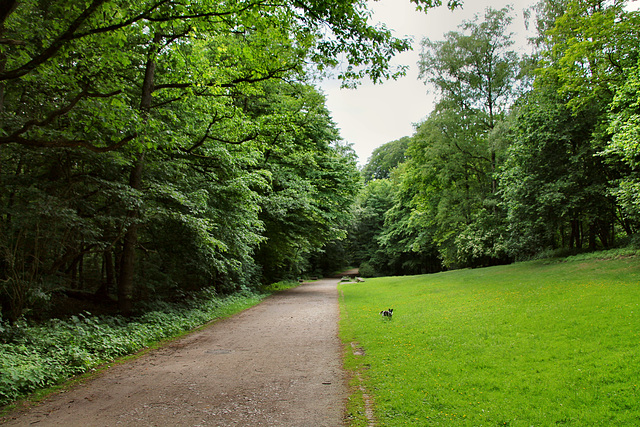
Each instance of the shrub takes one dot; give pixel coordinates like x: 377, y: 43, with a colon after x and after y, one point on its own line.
x: 367, y: 270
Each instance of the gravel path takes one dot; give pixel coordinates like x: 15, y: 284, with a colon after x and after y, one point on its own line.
x: 276, y: 364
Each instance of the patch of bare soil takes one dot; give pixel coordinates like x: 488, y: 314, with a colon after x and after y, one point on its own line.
x: 276, y: 364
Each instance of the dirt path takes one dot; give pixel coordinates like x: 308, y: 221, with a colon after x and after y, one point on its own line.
x: 276, y: 364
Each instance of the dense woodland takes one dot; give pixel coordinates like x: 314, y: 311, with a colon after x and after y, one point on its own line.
x: 153, y: 148
x: 156, y: 148
x: 523, y: 156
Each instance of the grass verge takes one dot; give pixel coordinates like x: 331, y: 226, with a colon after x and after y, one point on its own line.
x: 359, y: 407
x: 536, y: 343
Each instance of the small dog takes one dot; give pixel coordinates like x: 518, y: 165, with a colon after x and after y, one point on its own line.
x: 387, y: 313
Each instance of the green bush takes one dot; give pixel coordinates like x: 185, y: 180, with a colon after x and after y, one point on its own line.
x: 367, y: 270
x: 280, y: 286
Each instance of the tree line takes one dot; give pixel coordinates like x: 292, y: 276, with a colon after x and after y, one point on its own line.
x: 152, y: 148
x: 523, y: 155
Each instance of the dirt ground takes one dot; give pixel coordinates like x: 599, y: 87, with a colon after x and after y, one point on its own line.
x: 276, y: 364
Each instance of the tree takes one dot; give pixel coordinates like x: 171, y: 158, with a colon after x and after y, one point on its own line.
x: 475, y: 69
x: 458, y: 149
x: 384, y: 159
x: 313, y: 180
x: 407, y: 244
x: 624, y: 126
x: 585, y: 47
x: 103, y: 43
x: 553, y: 184
x: 373, y: 201
x: 172, y: 77
x: 204, y: 218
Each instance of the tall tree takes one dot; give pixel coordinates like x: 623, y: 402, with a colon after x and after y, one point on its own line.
x: 624, y: 147
x: 591, y: 51
x: 475, y: 73
x: 169, y: 77
x: 553, y: 184
x: 384, y: 159
x: 81, y: 56
x: 475, y: 70
x: 373, y: 201
x: 313, y: 181
x: 585, y: 48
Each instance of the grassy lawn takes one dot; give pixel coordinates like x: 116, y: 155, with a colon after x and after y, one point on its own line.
x: 537, y: 343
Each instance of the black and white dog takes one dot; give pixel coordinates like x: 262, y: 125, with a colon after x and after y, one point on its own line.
x: 387, y: 313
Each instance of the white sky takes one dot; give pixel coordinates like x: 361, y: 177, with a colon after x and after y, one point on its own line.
x: 372, y: 115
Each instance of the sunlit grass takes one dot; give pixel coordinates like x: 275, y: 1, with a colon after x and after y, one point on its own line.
x: 527, y: 344
x: 280, y: 286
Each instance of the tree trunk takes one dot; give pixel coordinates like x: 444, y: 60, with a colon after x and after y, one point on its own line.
x: 6, y: 8
x: 103, y: 291
x: 575, y: 240
x: 110, y: 272
x: 592, y: 236
x: 494, y: 180
x: 127, y: 263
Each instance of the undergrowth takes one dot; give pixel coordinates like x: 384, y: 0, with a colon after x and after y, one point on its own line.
x: 37, y: 356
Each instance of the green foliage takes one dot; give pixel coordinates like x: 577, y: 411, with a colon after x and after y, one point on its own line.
x: 624, y: 126
x: 367, y: 270
x: 556, y: 181
x: 406, y: 245
x: 218, y: 165
x: 72, y: 72
x: 207, y: 201
x: 280, y: 286
x: 313, y: 180
x: 385, y: 159
x: 375, y: 199
x: 553, y: 182
x: 474, y: 68
x: 587, y: 49
x: 451, y: 182
x: 443, y: 195
x: 519, y: 157
x: 60, y: 208
x: 500, y: 345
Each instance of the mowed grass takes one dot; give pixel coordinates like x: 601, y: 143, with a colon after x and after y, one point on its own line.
x: 529, y: 344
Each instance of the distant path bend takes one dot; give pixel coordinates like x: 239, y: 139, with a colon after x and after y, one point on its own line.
x: 276, y: 364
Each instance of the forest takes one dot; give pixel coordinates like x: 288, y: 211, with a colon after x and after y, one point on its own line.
x: 153, y: 149
x: 524, y: 156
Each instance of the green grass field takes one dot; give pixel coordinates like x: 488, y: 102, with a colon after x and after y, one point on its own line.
x: 529, y: 344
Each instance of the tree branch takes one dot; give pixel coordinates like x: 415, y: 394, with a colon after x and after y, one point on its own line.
x: 12, y: 42
x: 247, y: 79
x: 6, y: 8
x: 62, y: 111
x: 67, y: 143
x: 71, y: 33
x: 55, y: 46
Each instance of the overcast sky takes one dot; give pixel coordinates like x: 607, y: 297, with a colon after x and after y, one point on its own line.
x: 372, y: 115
